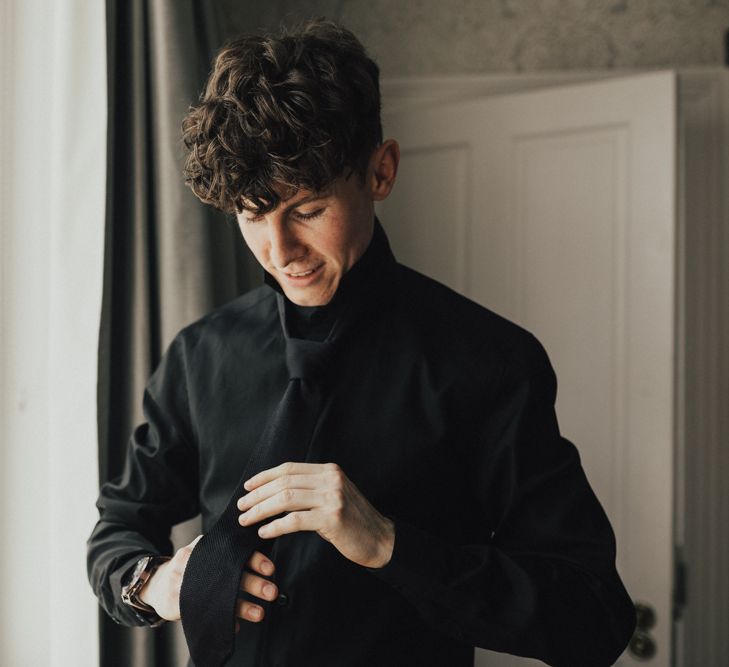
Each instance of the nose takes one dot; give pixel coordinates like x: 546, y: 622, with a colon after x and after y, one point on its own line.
x: 285, y: 245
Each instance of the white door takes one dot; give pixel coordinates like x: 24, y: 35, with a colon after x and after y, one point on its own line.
x: 555, y: 208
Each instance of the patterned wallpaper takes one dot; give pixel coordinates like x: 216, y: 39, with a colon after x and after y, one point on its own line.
x: 426, y: 37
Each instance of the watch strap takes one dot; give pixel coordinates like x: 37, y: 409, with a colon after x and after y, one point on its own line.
x: 138, y: 576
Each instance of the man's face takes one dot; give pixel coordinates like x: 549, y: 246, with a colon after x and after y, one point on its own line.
x: 312, y: 239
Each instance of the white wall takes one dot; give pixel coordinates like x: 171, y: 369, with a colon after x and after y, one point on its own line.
x: 52, y: 182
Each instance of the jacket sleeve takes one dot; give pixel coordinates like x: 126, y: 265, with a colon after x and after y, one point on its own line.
x: 157, y: 489
x: 545, y: 584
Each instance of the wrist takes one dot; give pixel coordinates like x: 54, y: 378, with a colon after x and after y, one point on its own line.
x: 135, y: 583
x: 148, y: 593
x: 387, y: 544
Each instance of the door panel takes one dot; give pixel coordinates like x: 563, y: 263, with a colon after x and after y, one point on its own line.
x: 555, y: 209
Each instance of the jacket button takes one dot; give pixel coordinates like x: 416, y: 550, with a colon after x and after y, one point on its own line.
x: 282, y: 599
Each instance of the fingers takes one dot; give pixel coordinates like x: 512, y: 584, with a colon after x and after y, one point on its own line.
x: 288, y: 468
x: 260, y: 588
x: 299, y: 481
x: 284, y: 501
x: 259, y: 563
x: 295, y: 522
x: 249, y: 612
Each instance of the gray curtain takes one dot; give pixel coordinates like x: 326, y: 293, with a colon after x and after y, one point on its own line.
x: 168, y: 258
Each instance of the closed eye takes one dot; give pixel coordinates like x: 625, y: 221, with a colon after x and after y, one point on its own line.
x: 309, y: 216
x: 297, y: 214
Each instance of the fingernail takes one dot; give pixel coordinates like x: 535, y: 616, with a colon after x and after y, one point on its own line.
x: 267, y: 567
x: 269, y: 590
x: 256, y: 612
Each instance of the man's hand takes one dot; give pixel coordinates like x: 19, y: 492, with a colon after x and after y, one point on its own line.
x: 162, y: 591
x: 320, y: 497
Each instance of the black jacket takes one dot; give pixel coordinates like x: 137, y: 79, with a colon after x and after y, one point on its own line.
x: 442, y: 414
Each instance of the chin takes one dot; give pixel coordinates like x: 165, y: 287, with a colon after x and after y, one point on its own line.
x: 304, y: 299
x: 317, y: 295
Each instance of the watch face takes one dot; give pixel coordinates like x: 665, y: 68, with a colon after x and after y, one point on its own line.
x: 141, y: 564
x: 135, y: 582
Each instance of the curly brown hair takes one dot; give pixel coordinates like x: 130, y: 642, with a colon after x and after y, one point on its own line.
x: 294, y: 109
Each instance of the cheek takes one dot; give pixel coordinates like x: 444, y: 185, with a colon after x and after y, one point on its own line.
x: 257, y: 244
x: 339, y: 241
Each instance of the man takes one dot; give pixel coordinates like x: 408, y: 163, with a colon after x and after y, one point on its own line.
x: 437, y: 507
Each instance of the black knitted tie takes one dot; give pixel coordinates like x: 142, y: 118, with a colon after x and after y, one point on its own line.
x: 211, y: 581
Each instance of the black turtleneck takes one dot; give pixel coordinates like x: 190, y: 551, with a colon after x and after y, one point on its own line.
x: 312, y: 322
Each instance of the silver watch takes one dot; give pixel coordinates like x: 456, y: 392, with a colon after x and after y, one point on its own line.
x: 143, y: 570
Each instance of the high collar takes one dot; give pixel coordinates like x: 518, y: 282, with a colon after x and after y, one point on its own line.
x: 366, y: 285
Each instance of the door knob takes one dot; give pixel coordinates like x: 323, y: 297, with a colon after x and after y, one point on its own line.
x: 645, y: 616
x: 642, y: 645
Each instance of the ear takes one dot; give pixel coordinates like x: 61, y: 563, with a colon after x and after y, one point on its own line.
x: 383, y: 169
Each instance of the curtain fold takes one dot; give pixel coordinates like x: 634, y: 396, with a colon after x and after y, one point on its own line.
x: 168, y: 259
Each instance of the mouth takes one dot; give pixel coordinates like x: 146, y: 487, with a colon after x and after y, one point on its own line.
x: 302, y: 277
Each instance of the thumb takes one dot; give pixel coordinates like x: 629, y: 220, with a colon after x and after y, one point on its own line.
x: 187, y: 551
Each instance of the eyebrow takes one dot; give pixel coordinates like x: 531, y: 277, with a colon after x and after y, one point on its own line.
x: 314, y: 196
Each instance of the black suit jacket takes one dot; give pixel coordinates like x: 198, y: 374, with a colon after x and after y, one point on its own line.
x: 442, y: 414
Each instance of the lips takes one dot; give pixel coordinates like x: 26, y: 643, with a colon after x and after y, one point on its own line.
x: 302, y: 277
